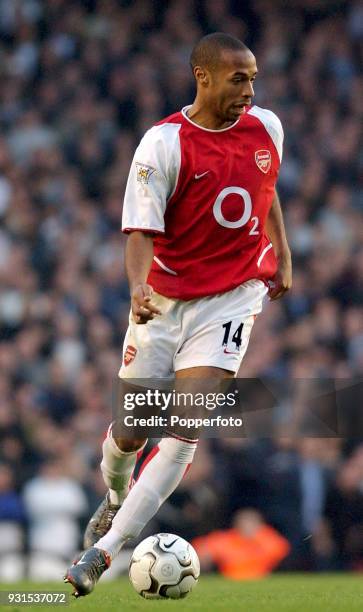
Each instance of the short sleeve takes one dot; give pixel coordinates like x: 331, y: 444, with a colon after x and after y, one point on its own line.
x: 152, y: 179
x: 272, y: 125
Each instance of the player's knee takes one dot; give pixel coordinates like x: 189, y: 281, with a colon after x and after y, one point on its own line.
x: 129, y: 446
x: 180, y: 451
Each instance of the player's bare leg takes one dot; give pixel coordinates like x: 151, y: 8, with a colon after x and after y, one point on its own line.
x: 200, y: 372
x: 160, y: 474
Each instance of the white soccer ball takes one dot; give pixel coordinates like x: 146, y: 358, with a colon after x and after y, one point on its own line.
x: 164, y: 566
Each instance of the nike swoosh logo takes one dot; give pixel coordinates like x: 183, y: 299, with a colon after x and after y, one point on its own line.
x: 198, y: 176
x: 171, y: 543
x: 231, y: 352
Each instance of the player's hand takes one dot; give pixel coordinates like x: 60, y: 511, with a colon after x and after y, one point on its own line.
x: 143, y: 310
x: 282, y: 280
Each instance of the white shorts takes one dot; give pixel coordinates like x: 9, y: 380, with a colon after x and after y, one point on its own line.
x: 210, y: 331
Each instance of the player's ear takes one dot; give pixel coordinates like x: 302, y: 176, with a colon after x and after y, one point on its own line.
x: 201, y: 75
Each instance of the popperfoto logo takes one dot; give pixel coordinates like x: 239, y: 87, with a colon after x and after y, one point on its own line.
x: 239, y: 408
x: 183, y: 410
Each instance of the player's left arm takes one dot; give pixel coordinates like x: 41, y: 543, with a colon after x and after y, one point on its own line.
x: 275, y: 229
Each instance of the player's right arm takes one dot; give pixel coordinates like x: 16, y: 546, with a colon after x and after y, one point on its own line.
x: 138, y: 260
x: 152, y: 179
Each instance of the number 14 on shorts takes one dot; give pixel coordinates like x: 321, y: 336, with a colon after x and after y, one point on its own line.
x: 232, y: 338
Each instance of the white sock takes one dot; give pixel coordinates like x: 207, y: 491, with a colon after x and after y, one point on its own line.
x: 117, y: 467
x: 156, y: 482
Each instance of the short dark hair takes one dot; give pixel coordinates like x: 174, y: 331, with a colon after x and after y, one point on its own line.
x: 207, y: 51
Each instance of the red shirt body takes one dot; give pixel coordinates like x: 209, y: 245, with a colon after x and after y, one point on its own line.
x: 206, y: 194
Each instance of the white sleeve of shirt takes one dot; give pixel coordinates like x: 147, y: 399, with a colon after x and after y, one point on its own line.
x: 152, y: 179
x: 272, y: 125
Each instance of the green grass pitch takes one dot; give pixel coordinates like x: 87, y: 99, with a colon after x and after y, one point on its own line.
x: 278, y: 593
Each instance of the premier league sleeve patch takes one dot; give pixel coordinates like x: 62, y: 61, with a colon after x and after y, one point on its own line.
x: 143, y: 173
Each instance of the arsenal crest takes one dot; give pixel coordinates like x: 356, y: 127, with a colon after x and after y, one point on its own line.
x: 130, y: 354
x: 263, y: 160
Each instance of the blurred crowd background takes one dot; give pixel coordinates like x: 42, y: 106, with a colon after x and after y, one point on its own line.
x: 81, y: 81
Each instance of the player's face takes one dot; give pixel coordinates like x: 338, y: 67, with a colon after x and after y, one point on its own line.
x: 231, y: 84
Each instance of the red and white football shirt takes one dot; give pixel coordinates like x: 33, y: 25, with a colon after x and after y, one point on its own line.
x: 205, y: 194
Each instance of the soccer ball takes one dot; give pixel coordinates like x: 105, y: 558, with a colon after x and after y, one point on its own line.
x: 164, y: 566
